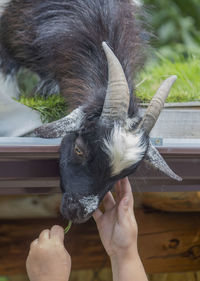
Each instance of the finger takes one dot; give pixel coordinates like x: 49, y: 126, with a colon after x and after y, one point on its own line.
x: 57, y: 233
x: 44, y: 235
x: 118, y: 192
x: 108, y: 201
x: 34, y: 243
x: 125, y: 213
x: 127, y: 191
x: 97, y: 214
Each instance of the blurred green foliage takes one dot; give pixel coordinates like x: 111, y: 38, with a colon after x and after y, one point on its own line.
x: 176, y: 25
x: 187, y: 86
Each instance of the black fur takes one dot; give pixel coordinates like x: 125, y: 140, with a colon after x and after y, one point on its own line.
x: 61, y: 40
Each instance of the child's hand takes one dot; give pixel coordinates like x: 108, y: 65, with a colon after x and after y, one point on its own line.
x: 117, y: 226
x: 48, y: 259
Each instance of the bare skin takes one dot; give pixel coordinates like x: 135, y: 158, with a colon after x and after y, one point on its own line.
x: 48, y: 259
x: 118, y: 232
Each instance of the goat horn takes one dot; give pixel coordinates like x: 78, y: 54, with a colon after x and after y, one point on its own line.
x: 156, y: 104
x: 117, y: 98
x: 61, y: 127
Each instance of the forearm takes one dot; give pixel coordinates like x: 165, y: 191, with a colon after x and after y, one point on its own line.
x: 129, y: 269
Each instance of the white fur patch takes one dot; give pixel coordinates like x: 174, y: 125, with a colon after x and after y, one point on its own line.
x: 90, y: 203
x: 132, y: 122
x: 123, y: 148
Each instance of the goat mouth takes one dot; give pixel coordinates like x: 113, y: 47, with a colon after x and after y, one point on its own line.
x: 78, y: 211
x: 77, y: 219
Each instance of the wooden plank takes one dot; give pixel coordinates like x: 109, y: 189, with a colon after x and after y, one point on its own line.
x: 186, y: 276
x: 168, y: 242
x: 48, y: 206
x: 105, y: 274
x: 26, y: 207
x: 170, y: 201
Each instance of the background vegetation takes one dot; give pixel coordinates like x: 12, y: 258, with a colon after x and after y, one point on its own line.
x: 175, y: 25
x: 186, y: 87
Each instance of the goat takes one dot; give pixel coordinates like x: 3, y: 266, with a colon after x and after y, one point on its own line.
x: 90, y: 51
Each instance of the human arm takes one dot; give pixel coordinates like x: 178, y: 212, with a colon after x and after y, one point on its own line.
x: 48, y: 260
x: 118, y: 232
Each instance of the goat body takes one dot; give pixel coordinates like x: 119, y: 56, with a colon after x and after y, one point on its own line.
x: 104, y: 139
x: 62, y: 42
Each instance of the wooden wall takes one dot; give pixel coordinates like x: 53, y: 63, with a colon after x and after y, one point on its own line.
x: 106, y: 275
x: 168, y: 242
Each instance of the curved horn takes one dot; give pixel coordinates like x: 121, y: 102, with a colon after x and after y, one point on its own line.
x: 61, y: 127
x: 117, y: 98
x: 157, y: 103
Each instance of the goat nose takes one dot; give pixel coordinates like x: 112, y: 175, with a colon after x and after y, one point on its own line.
x: 78, y: 210
x: 70, y: 212
x: 71, y: 209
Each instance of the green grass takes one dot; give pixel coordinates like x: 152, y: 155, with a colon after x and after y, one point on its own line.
x: 52, y: 108
x: 186, y: 88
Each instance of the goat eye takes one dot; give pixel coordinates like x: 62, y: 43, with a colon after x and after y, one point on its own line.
x: 78, y: 151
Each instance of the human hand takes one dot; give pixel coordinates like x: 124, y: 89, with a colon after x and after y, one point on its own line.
x: 48, y: 259
x: 117, y: 225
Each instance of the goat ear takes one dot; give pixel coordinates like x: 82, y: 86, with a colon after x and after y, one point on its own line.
x: 16, y: 119
x: 154, y: 158
x: 59, y: 128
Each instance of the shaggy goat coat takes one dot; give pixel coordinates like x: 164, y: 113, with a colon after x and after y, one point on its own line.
x: 89, y: 50
x: 62, y: 42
